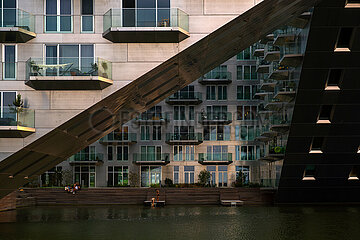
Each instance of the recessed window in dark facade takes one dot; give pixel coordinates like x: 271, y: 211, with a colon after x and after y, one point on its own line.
x: 325, y: 114
x: 352, y: 4
x: 316, y: 145
x: 334, y: 79
x: 344, y: 40
x: 354, y: 173
x: 309, y: 173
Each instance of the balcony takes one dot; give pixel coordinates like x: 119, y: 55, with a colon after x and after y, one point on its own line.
x: 267, y: 38
x: 146, y: 25
x: 291, y: 55
x: 116, y: 138
x: 271, y: 52
x: 151, y: 158
x: 17, y: 122
x: 185, y: 98
x: 68, y: 73
x: 184, y: 139
x: 87, y: 158
x: 262, y: 66
x: 148, y: 118
x: 216, y: 77
x: 221, y: 118
x: 285, y: 36
x: 259, y: 50
x: 278, y: 71
x: 268, y: 85
x: 215, y: 158
x: 17, y: 26
x: 275, y: 153
x: 280, y: 123
x: 285, y: 91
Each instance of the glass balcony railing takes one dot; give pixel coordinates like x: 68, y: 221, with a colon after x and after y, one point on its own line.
x: 15, y: 116
x: 270, y: 48
x: 286, y: 31
x: 269, y: 182
x: 119, y: 137
x: 215, y: 116
x: 290, y: 48
x: 225, y: 75
x: 84, y: 66
x: 286, y: 86
x: 279, y: 119
x: 146, y: 17
x: 87, y: 157
x: 184, y: 137
x: 216, y: 157
x: 186, y: 96
x: 13, y: 17
x: 153, y: 117
x: 151, y: 157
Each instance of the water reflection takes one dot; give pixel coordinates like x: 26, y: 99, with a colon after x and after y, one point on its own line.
x: 181, y: 222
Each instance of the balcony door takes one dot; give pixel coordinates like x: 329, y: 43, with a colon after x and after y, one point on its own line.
x: 7, y: 115
x: 9, y: 62
x: 8, y: 13
x: 150, y: 153
x: 58, y: 16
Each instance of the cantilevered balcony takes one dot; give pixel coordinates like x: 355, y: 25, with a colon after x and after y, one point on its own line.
x: 291, y: 55
x: 262, y: 66
x: 151, y: 158
x: 148, y: 118
x: 146, y: 25
x: 215, y: 158
x: 87, y: 158
x: 259, y: 50
x: 280, y: 122
x: 68, y: 73
x: 184, y: 138
x: 185, y: 98
x: 267, y: 38
x: 267, y: 132
x: 221, y: 118
x: 271, y: 52
x: 285, y: 36
x: 268, y: 85
x: 275, y: 153
x: 216, y: 77
x: 278, y: 71
x: 116, y: 138
x: 16, y: 122
x: 285, y: 91
x: 17, y: 26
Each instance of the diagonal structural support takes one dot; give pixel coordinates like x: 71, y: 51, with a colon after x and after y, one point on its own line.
x: 148, y: 90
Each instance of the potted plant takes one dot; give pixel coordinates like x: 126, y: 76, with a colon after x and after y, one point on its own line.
x: 17, y: 107
x: 34, y: 68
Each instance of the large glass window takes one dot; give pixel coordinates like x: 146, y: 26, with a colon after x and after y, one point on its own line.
x: 179, y: 113
x: 85, y: 175
x: 9, y: 62
x: 246, y: 112
x: 122, y: 153
x: 145, y: 133
x: 58, y: 16
x: 150, y: 153
x: 210, y: 92
x: 223, y: 176
x: 189, y: 174
x: 150, y: 175
x: 110, y: 155
x: 247, y: 72
x: 244, y: 171
x: 247, y: 54
x: 7, y: 13
x: 156, y: 133
x: 222, y: 92
x: 176, y: 175
x: 247, y: 133
x: 118, y: 176
x: 217, y: 133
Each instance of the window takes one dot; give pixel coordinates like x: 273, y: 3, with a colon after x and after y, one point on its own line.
x: 87, y: 18
x: 246, y: 73
x: 52, y: 177
x: 76, y: 58
x: 85, y: 175
x: 58, y: 16
x: 145, y: 133
x: 246, y: 112
x: 151, y: 153
x: 246, y: 92
x: 217, y: 153
x: 247, y: 54
x: 118, y: 176
x: 210, y: 92
x: 316, y: 145
x: 217, y: 133
x: 218, y: 73
x: 142, y: 13
x: 184, y: 132
x: 247, y: 133
x: 8, y: 13
x: 354, y: 173
x: 6, y: 101
x: 216, y: 112
x: 157, y: 133
x: 185, y: 93
x: 344, y: 40
x: 352, y: 4
x: 325, y: 114
x: 9, y: 62
x: 212, y: 170
x: 223, y: 177
x: 189, y: 174
x: 191, y: 113
x: 150, y: 175
x: 179, y: 112
x: 186, y: 153
x: 222, y: 92
x: 244, y: 172
x: 176, y: 174
x: 334, y: 79
x: 178, y: 153
x: 248, y: 153
x: 309, y: 173
x: 153, y: 113
x: 239, y: 72
x: 122, y: 153
x: 110, y: 153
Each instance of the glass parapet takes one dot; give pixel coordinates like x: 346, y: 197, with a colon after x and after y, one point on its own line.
x: 270, y: 47
x: 146, y: 17
x: 151, y: 157
x: 269, y: 182
x: 184, y: 137
x: 13, y: 17
x: 78, y: 157
x: 148, y: 116
x: 216, y: 157
x: 216, y: 74
x: 119, y: 137
x: 186, y: 96
x: 286, y: 86
x: 16, y: 116
x: 227, y: 116
x: 84, y: 66
x: 290, y: 48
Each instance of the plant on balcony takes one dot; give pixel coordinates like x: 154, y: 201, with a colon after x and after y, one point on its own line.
x: 17, y: 107
x: 204, y: 178
x: 34, y: 68
x: 105, y: 67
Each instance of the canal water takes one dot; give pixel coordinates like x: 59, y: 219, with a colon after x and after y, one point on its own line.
x: 181, y: 222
